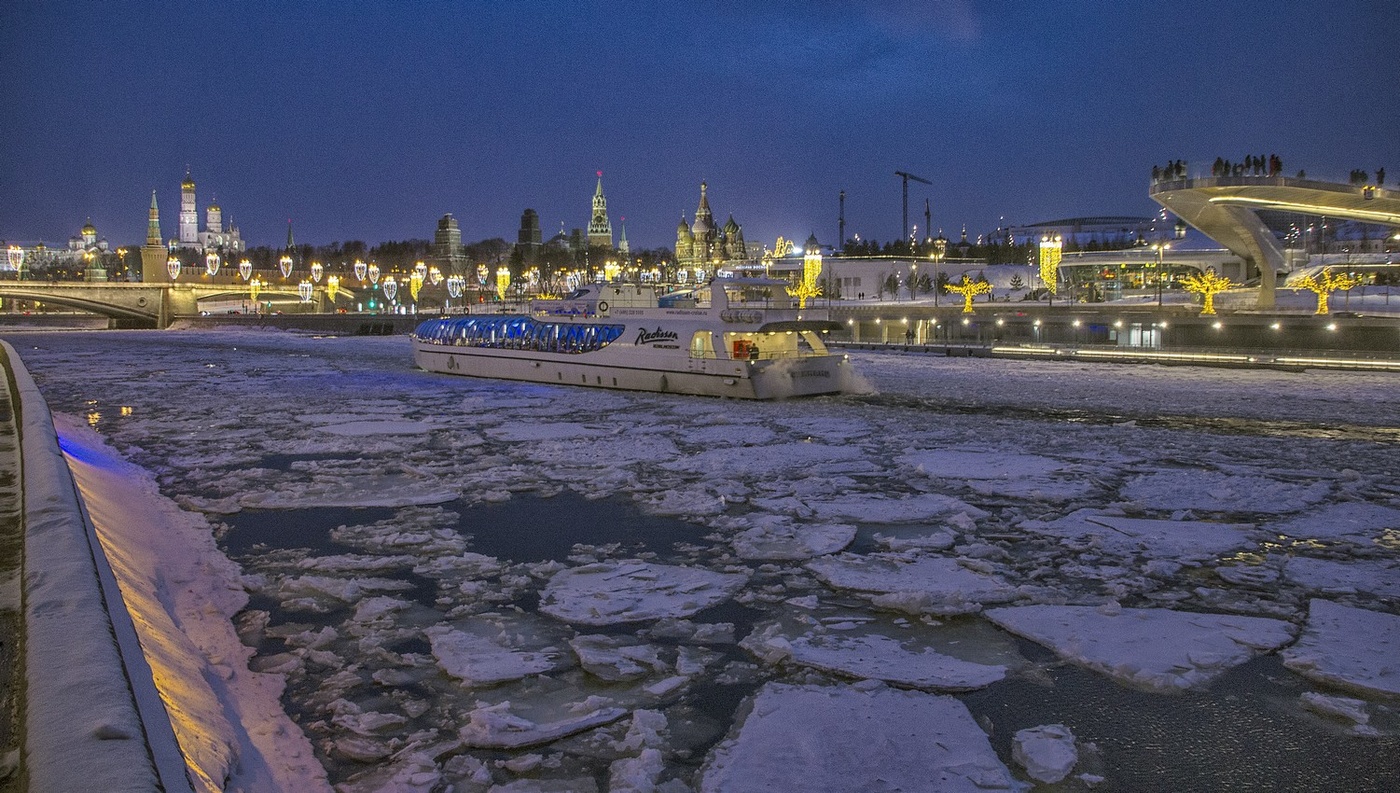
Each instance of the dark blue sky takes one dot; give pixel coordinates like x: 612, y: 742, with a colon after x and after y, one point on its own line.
x: 363, y: 120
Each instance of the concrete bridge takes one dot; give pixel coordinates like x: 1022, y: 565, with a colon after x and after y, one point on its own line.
x: 139, y: 305
x: 1226, y: 209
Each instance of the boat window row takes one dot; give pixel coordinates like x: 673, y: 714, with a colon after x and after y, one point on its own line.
x: 517, y: 333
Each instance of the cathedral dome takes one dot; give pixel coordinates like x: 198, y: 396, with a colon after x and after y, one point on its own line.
x: 88, y: 228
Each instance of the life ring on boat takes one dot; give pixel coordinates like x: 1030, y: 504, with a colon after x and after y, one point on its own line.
x: 602, y: 306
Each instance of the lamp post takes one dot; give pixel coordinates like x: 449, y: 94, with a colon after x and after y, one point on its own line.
x: 1159, y: 248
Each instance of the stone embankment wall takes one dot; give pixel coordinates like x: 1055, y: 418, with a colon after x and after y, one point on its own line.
x: 82, y: 698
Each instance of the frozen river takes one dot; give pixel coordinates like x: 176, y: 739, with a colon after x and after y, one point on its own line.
x: 983, y: 574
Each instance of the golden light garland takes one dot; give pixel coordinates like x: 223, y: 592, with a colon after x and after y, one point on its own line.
x: 808, y: 288
x: 968, y: 290
x: 1323, y: 284
x: 1207, y: 285
x: 502, y: 281
x: 1051, y: 249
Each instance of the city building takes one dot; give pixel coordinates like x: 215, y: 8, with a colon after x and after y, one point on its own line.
x: 87, y: 242
x: 703, y: 244
x: 214, y: 236
x: 447, y: 252
x: 599, y: 229
x: 528, y: 240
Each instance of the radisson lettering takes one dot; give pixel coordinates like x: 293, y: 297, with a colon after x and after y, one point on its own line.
x: 645, y: 336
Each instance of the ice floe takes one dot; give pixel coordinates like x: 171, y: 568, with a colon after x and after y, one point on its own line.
x: 822, y: 739
x: 1046, y: 752
x: 1348, y: 520
x: 1213, y: 491
x: 1351, y: 647
x: 873, y: 508
x: 967, y: 464
x: 1155, y: 649
x: 931, y: 585
x: 779, y: 538
x: 608, y: 593
x: 876, y: 657
x: 1374, y: 577
x: 616, y: 659
x: 1170, y: 539
x: 496, y: 727
x: 481, y: 661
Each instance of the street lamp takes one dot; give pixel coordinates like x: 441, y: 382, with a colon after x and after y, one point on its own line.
x: 1159, y: 247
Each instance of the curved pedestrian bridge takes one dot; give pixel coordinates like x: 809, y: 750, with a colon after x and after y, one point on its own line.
x: 1225, y: 208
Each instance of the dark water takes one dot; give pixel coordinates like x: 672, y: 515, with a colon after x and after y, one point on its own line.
x: 294, y: 528
x: 1243, y: 733
x: 1240, y: 733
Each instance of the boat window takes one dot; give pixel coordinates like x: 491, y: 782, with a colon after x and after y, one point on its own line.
x: 517, y: 333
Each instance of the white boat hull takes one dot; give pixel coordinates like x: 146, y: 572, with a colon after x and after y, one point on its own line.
x: 766, y: 379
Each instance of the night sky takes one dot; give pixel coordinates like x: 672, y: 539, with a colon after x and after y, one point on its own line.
x: 368, y: 121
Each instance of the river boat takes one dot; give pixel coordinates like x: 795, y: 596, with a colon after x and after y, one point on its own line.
x: 736, y: 337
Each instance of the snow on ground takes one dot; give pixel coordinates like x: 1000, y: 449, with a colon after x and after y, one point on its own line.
x: 842, y: 738
x: 1155, y: 649
x: 1350, y: 647
x: 853, y: 537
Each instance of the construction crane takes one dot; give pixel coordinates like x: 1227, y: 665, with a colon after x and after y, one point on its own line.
x: 906, y: 177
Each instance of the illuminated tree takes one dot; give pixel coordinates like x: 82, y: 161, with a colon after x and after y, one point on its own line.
x: 1207, y: 285
x: 332, y: 286
x: 808, y: 288
x: 1050, y: 253
x: 1325, y: 283
x: 502, y: 281
x: 968, y: 290
x: 415, y: 285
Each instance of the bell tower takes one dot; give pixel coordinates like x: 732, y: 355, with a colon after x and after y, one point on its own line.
x: 189, y: 216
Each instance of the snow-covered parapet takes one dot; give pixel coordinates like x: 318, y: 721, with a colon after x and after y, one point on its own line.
x: 81, y: 729
x: 1350, y: 647
x: 634, y: 591
x: 1155, y: 649
x: 830, y: 739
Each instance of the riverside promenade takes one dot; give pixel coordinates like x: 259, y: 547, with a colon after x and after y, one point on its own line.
x: 78, y: 707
